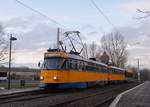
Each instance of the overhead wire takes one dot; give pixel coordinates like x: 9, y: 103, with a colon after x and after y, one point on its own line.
x: 40, y: 13
x: 103, y: 14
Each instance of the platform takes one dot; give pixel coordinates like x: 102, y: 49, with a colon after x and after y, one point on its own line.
x: 12, y: 91
x: 138, y: 96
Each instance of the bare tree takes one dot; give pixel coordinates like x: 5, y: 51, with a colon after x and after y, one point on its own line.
x: 84, y: 52
x: 115, y: 46
x: 144, y: 13
x: 98, y: 53
x: 93, y: 50
x: 3, y: 47
x: 104, y: 58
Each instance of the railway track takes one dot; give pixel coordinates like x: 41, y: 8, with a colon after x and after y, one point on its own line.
x: 6, y: 98
x: 95, y: 100
x: 26, y: 96
x: 90, y: 97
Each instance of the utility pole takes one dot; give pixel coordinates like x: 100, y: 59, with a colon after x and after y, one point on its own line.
x: 58, y: 35
x: 10, y: 47
x: 138, y: 69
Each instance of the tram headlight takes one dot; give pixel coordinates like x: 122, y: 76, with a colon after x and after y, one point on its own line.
x: 55, y: 78
x: 41, y: 78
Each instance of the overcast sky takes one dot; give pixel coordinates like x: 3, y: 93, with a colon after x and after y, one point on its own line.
x: 36, y: 33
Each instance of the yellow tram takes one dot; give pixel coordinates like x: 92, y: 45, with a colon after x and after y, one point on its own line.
x: 65, y: 70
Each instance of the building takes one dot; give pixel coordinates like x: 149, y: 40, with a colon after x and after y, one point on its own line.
x: 22, y: 73
x: 104, y: 58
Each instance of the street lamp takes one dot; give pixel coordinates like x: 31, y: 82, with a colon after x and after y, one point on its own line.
x: 10, y: 46
x: 138, y: 70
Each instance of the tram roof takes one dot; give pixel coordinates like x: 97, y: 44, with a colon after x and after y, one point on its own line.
x: 73, y: 56
x: 84, y: 59
x: 78, y: 57
x: 117, y: 68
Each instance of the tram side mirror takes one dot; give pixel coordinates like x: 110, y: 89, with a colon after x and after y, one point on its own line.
x: 40, y: 63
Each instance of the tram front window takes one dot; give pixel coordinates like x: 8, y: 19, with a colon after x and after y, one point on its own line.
x: 52, y: 63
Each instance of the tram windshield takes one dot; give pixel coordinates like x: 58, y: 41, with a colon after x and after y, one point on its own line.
x: 52, y: 63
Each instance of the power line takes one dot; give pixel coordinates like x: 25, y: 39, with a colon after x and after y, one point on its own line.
x: 102, y: 13
x: 40, y: 13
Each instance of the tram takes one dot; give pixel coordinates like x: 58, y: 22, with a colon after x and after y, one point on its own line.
x: 68, y: 70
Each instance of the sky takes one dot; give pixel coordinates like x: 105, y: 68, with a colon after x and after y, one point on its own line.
x: 35, y: 33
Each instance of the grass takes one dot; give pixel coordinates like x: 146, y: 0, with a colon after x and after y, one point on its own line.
x: 17, y: 85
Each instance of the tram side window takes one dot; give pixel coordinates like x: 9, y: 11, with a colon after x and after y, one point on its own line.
x: 69, y: 64
x: 97, y: 68
x: 65, y: 64
x: 118, y: 72
x: 111, y: 70
x: 121, y: 72
x: 85, y: 66
x: 88, y: 68
x: 92, y: 67
x: 114, y: 71
x: 80, y: 65
x: 104, y: 69
x: 73, y: 64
